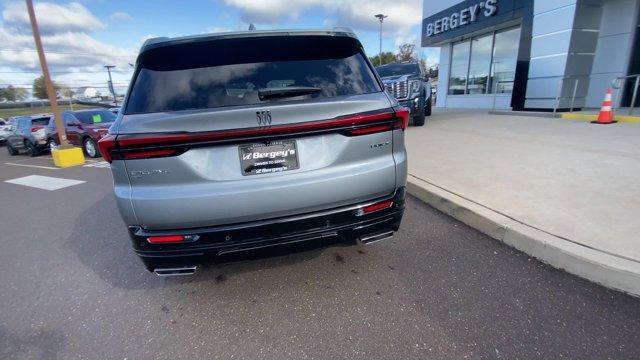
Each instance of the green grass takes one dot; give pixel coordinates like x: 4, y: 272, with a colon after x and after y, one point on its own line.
x: 7, y: 113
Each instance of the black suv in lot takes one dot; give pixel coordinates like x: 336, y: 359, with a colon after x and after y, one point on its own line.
x: 410, y: 86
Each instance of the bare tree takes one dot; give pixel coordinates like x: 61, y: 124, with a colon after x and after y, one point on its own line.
x: 405, y: 52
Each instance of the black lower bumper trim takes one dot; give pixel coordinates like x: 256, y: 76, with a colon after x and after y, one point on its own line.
x: 256, y: 239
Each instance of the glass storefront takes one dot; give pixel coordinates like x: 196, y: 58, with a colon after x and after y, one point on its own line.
x: 479, y: 65
x: 485, y: 64
x: 505, y: 58
x: 459, y: 67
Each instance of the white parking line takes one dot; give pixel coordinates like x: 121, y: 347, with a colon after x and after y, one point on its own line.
x: 97, y: 164
x: 44, y: 182
x: 33, y: 166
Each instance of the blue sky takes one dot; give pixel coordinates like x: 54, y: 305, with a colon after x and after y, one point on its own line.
x: 82, y: 36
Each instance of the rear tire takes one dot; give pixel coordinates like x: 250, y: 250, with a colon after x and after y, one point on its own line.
x: 12, y: 151
x: 32, y: 150
x: 90, y: 148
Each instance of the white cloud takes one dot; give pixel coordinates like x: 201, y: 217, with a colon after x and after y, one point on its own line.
x: 120, y: 16
x: 272, y: 11
x: 357, y: 14
x: 51, y: 17
x: 74, y: 57
x: 402, y: 24
x: 405, y: 38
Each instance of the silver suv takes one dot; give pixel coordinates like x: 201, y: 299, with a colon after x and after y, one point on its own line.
x: 243, y: 141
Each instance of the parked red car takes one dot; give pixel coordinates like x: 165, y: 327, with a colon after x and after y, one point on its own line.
x: 84, y: 128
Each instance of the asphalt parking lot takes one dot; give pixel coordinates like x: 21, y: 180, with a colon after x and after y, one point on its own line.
x: 70, y: 287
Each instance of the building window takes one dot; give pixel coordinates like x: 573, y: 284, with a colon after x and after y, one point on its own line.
x: 505, y: 58
x: 479, y: 65
x: 459, y: 68
x: 485, y: 63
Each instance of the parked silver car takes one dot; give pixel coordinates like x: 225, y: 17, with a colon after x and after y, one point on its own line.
x: 28, y: 133
x: 242, y: 141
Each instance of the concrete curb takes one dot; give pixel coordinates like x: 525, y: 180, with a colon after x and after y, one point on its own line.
x: 605, y: 269
x: 542, y: 114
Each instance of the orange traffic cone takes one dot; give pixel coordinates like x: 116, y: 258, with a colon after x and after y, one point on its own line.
x: 606, y: 113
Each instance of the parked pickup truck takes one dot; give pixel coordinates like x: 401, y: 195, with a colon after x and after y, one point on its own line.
x: 409, y: 85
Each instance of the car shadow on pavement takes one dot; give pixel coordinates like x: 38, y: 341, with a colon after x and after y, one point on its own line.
x: 99, y: 238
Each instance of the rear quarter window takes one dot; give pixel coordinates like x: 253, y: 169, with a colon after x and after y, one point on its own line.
x: 44, y: 121
x: 231, y: 72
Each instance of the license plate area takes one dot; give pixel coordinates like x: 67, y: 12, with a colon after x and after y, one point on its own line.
x: 276, y: 156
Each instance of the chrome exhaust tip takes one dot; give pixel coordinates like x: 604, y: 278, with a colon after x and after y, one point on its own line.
x: 187, y: 270
x: 375, y: 237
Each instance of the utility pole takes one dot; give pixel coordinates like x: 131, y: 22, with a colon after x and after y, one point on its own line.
x: 113, y: 92
x: 51, y: 92
x: 380, y: 17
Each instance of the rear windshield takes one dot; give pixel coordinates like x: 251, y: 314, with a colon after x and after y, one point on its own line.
x: 398, y: 69
x: 231, y: 72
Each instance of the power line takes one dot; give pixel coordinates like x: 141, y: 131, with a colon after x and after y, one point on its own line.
x: 66, y: 85
x: 66, y: 53
x: 58, y: 72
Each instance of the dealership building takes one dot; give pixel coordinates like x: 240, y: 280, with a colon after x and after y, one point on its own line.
x: 533, y: 54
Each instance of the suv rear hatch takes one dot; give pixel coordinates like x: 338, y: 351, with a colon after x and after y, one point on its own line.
x: 229, y: 130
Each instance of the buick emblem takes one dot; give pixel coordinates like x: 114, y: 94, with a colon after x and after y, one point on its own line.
x: 263, y: 117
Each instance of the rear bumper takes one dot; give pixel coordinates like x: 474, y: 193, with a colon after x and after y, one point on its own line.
x: 220, y: 243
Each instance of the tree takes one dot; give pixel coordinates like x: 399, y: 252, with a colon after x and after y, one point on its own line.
x: 405, y: 52
x: 39, y: 90
x: 11, y: 93
x: 387, y: 57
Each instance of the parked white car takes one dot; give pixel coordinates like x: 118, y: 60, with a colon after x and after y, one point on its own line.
x: 5, y: 130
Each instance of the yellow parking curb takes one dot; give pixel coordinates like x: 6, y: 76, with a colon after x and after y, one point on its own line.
x: 594, y: 117
x: 67, y: 157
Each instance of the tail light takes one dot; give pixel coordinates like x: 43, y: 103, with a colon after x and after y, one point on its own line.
x: 399, y: 117
x: 106, y: 145
x: 111, y: 148
x: 36, y: 128
x: 142, y: 146
x: 402, y: 116
x: 371, y: 129
x: 148, y: 154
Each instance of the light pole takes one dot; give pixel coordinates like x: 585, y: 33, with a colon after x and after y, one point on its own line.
x: 380, y: 17
x: 113, y: 92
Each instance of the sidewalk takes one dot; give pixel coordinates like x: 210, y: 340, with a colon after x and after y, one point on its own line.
x: 565, y: 192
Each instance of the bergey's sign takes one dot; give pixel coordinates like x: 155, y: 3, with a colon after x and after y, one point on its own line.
x: 462, y: 17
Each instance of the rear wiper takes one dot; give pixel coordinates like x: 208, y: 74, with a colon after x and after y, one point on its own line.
x: 289, y: 91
